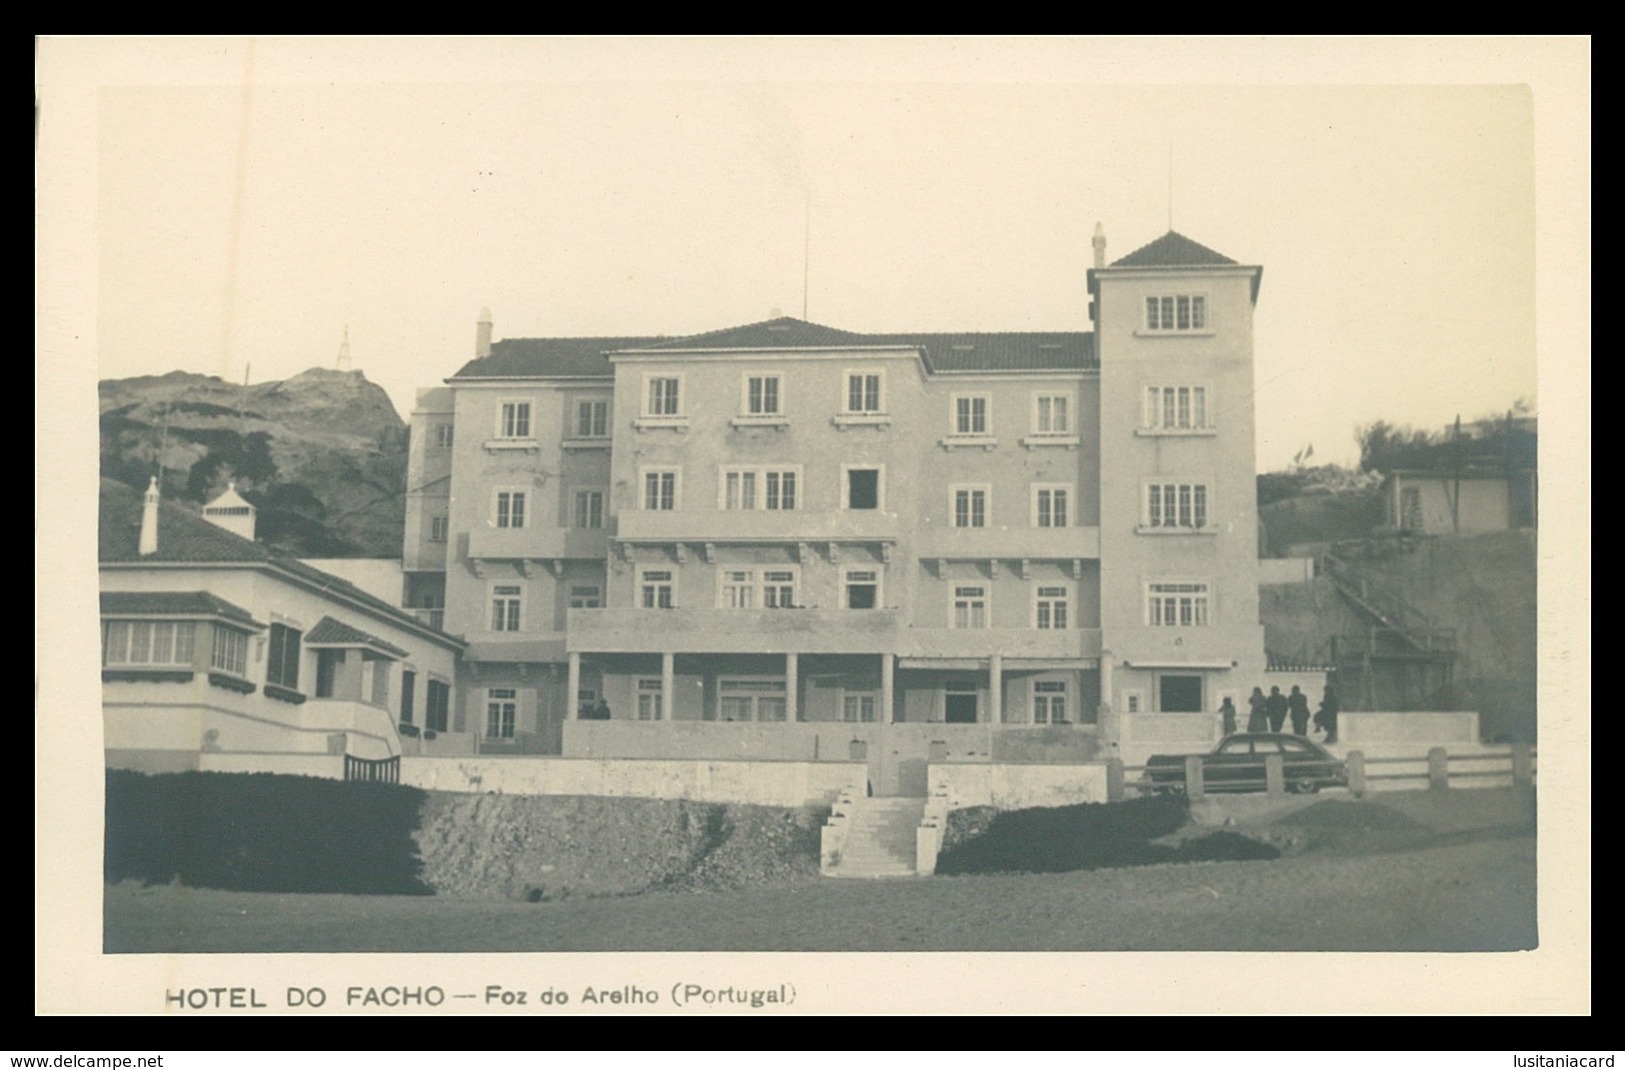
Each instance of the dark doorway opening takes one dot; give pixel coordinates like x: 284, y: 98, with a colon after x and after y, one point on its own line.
x: 1180, y: 694
x: 959, y: 706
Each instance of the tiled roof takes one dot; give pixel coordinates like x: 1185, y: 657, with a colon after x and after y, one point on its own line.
x: 329, y: 632
x: 944, y: 352
x: 185, y: 538
x: 182, y: 536
x: 523, y: 357
x: 1002, y: 351
x: 782, y: 333
x: 173, y: 604
x: 1173, y: 250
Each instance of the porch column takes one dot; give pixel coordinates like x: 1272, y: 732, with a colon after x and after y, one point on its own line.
x: 668, y: 684
x: 572, y: 688
x: 792, y: 666
x: 888, y: 664
x: 995, y: 688
x: 1107, y: 695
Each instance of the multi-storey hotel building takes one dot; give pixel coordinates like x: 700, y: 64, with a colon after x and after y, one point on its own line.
x: 790, y: 541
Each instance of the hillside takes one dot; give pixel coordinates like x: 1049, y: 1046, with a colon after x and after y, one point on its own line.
x: 322, y: 455
x: 1481, y: 587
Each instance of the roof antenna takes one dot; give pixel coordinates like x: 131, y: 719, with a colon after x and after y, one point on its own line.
x: 806, y: 252
x: 343, y: 363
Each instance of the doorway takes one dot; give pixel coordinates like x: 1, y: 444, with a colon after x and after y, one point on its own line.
x: 959, y: 704
x: 1179, y: 693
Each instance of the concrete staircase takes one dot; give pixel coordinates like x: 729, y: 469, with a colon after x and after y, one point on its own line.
x: 879, y: 838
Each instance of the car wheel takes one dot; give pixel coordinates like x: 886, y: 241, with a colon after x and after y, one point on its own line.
x: 1305, y: 786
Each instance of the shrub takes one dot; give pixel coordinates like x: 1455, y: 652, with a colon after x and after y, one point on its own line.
x: 262, y: 832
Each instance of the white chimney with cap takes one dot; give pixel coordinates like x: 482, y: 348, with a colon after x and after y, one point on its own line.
x: 482, y: 334
x: 149, y: 520
x: 1099, y: 242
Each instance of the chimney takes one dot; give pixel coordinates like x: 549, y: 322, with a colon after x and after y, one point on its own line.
x: 1099, y: 242
x: 149, y: 520
x: 232, y: 512
x: 482, y: 334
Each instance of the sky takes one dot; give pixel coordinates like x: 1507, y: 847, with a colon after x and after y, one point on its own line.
x: 279, y: 192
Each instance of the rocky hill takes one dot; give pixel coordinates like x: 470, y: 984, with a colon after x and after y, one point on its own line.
x: 322, y: 455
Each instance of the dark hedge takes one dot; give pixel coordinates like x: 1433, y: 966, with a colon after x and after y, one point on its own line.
x: 261, y: 832
x: 1059, y: 839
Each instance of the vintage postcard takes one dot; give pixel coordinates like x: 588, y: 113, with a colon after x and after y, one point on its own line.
x: 812, y: 525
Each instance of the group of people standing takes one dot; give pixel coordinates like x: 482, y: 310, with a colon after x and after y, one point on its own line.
x: 1270, y: 713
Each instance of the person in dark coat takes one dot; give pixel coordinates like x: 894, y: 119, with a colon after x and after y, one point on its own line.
x: 1256, y: 721
x: 1326, y: 716
x: 600, y: 712
x: 1297, y: 705
x: 1227, y: 716
x: 1275, y: 708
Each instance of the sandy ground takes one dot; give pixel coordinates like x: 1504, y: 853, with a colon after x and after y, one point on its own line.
x: 1454, y: 872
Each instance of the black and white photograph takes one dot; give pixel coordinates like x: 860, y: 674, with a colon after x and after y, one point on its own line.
x: 812, y: 525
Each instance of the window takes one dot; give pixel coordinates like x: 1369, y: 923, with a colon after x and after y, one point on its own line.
x: 862, y: 588
x: 442, y: 436
x: 1176, y: 312
x: 586, y: 596
x: 1050, y: 506
x: 756, y: 488
x: 501, y: 712
x: 328, y: 662
x: 1176, y: 408
x: 409, y: 688
x: 663, y: 397
x: 439, y: 526
x: 970, y: 414
x: 660, y: 489
x: 970, y: 507
x: 751, y: 699
x: 858, y: 708
x: 230, y: 653
x: 438, y: 706
x: 649, y: 700
x: 762, y: 395
x: 864, y: 393
x: 657, y: 588
x: 282, y: 657
x: 738, y: 589
x: 513, y: 419
x: 592, y: 418
x: 1050, y: 607
x: 1049, y: 702
x: 143, y: 642
x: 862, y: 488
x: 970, y: 606
x: 506, y: 603
x: 1052, y: 414
x: 1176, y: 505
x: 1177, y: 605
x: 589, y: 509
x: 748, y: 588
x: 510, y: 512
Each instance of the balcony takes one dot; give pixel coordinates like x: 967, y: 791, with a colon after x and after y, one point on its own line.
x: 538, y: 543
x: 1008, y: 543
x: 727, y: 631
x: 758, y: 525
x: 1015, y: 644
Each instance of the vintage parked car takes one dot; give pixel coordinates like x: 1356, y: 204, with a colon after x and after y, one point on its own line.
x: 1237, y: 764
